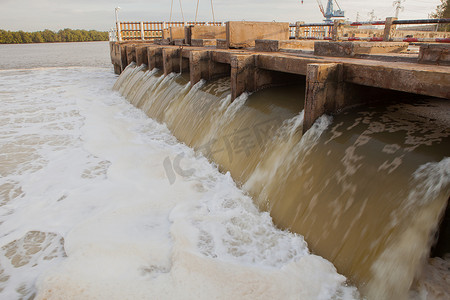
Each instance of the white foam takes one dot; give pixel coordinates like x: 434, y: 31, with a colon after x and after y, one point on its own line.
x: 99, y: 185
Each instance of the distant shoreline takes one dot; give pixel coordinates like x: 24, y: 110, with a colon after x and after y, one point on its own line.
x: 48, y: 36
x: 1, y: 44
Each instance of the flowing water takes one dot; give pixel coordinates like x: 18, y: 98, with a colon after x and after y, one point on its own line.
x: 99, y: 201
x: 366, y: 188
x: 176, y: 199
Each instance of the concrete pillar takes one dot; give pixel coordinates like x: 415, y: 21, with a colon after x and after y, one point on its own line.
x: 389, y: 29
x: 141, y: 55
x: 112, y: 51
x: 297, y: 29
x: 117, y: 69
x: 131, y: 53
x: 242, y: 74
x: 154, y: 59
x: 123, y: 56
x: 324, y: 91
x: 338, y: 30
x: 171, y: 60
x: 199, y: 66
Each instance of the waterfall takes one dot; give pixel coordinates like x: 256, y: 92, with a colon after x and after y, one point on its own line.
x: 367, y: 188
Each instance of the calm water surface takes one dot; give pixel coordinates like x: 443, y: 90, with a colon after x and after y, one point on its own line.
x: 27, y: 56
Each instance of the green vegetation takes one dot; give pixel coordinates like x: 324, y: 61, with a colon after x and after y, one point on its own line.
x: 48, y: 36
x: 442, y: 12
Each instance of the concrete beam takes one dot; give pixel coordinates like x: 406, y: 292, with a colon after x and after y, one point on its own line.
x: 432, y: 81
x: 221, y: 44
x: 286, y: 64
x: 276, y: 45
x: 352, y: 49
x: 324, y: 91
x: 203, y: 42
x: 434, y: 54
x: 163, y: 42
x: 246, y: 77
x: 186, y: 52
x: 178, y: 42
x: 220, y: 56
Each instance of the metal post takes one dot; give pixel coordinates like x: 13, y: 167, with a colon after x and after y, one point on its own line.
x: 119, y: 33
x: 142, y: 31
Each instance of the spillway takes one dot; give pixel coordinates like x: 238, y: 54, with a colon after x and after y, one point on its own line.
x: 367, y: 188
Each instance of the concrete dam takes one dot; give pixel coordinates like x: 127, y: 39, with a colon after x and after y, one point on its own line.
x: 346, y: 144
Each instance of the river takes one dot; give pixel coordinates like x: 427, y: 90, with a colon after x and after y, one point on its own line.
x: 91, y: 205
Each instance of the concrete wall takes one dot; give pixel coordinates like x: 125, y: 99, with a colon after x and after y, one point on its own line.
x: 176, y: 33
x: 208, y: 32
x: 396, y: 34
x: 241, y: 34
x: 350, y: 49
x: 276, y: 45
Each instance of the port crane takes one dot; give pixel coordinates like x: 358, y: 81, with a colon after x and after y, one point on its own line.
x: 330, y: 12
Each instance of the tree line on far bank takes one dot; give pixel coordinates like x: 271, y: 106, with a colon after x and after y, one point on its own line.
x: 49, y: 36
x: 442, y: 12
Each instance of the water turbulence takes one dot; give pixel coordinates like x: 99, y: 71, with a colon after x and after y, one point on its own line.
x: 367, y: 188
x: 98, y: 201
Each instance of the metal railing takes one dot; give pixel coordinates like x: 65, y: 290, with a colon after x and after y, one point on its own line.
x: 403, y: 22
x: 301, y: 30
x: 334, y: 31
x: 131, y: 31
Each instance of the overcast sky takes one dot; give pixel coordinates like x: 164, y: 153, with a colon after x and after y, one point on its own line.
x: 33, y: 15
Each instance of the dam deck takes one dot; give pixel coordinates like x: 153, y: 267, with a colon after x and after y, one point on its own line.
x: 333, y: 83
